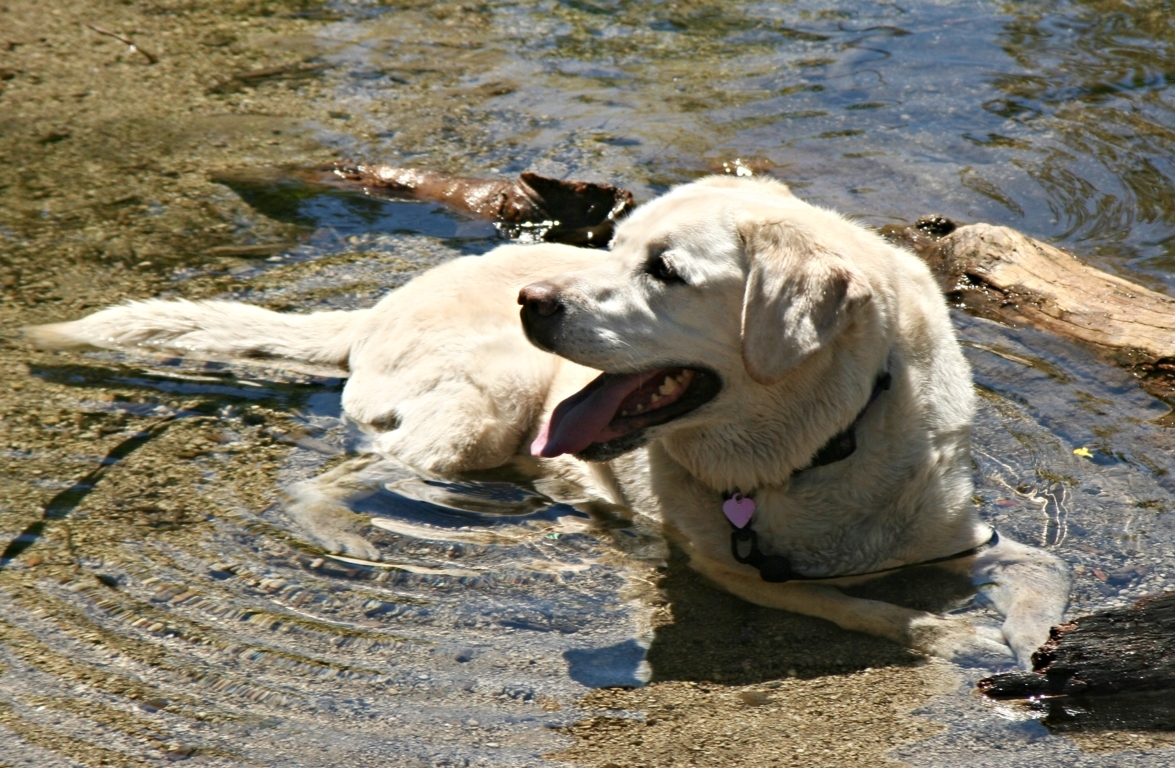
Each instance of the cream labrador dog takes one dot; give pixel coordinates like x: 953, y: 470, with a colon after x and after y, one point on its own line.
x: 779, y: 387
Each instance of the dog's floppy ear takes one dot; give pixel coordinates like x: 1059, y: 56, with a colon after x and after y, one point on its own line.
x: 798, y: 298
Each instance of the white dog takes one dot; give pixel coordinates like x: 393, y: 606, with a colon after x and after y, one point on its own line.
x: 781, y: 388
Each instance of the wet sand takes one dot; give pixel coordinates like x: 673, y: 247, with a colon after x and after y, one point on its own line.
x: 104, y: 193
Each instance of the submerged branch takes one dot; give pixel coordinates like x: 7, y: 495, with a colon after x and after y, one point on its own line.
x: 151, y: 59
x: 574, y: 212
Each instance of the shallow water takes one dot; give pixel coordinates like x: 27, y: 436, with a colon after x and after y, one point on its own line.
x: 496, y: 609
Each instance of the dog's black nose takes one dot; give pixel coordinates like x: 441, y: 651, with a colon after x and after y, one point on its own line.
x: 541, y: 299
x: 542, y: 311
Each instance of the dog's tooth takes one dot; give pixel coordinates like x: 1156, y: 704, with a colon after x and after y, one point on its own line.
x: 640, y: 407
x: 624, y: 413
x: 654, y: 398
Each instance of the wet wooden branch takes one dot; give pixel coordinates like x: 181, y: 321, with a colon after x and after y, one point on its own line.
x: 151, y: 59
x: 1000, y: 273
x: 575, y: 212
x: 1096, y: 667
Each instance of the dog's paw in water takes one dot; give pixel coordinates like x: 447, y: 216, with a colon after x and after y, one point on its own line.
x: 332, y: 526
x: 319, y: 507
x: 960, y: 641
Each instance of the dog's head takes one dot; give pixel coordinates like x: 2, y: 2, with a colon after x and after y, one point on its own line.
x: 721, y: 286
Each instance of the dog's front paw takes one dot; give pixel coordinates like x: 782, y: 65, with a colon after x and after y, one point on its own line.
x: 349, y: 544
x: 333, y: 527
x: 960, y: 641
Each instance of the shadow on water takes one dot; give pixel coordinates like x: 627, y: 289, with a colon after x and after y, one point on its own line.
x: 715, y: 636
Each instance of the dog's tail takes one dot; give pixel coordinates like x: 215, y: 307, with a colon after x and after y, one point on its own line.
x: 216, y: 330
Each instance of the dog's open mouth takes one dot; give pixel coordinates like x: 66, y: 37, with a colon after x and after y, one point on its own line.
x: 617, y: 406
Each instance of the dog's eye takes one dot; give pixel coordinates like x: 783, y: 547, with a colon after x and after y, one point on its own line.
x: 662, y: 270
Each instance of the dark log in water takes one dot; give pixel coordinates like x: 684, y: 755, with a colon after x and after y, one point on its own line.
x: 1123, y: 650
x: 1000, y: 273
x: 574, y: 212
x: 1114, y: 669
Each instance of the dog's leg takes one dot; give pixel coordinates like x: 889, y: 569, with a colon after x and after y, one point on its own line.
x: 471, y: 420
x: 953, y: 638
x: 319, y: 506
x: 1028, y: 587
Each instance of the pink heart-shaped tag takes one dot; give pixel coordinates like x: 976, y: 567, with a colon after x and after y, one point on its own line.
x: 739, y: 510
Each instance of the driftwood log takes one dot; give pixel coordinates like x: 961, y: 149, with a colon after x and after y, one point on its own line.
x: 1114, y: 669
x: 574, y: 212
x: 1000, y: 273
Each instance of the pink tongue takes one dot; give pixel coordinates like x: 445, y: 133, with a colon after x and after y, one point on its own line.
x: 577, y: 423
